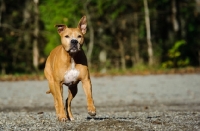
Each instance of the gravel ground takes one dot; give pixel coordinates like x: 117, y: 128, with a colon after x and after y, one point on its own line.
x: 152, y: 102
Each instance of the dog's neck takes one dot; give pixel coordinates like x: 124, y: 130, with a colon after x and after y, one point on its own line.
x: 72, y: 63
x: 79, y: 57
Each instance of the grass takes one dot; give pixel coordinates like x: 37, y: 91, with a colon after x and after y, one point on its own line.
x: 137, y: 70
x: 22, y: 77
x: 145, y: 70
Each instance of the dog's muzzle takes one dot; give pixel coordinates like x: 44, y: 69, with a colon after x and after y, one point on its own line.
x: 74, y: 46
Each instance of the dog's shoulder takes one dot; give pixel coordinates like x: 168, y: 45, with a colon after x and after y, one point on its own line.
x: 56, y: 49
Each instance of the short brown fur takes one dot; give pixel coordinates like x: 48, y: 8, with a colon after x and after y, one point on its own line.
x: 59, y: 61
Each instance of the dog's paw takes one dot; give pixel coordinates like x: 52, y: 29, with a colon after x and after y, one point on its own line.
x: 91, y: 113
x: 71, y: 119
x: 62, y: 118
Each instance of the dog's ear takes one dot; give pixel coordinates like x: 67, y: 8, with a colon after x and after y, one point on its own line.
x: 60, y: 27
x: 82, y: 25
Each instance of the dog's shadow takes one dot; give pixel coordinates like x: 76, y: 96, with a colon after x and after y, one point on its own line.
x: 108, y: 118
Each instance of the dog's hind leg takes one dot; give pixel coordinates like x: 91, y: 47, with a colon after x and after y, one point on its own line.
x: 72, y: 91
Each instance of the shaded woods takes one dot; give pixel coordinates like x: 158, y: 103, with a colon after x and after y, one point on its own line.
x: 121, y: 35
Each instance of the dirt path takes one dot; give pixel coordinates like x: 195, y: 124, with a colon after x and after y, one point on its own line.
x: 152, y: 102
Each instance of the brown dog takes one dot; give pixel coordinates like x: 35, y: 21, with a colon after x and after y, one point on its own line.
x: 67, y: 64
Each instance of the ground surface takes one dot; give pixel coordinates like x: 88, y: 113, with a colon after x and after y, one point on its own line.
x: 152, y: 102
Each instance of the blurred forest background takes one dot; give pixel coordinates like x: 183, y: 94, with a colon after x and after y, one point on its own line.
x: 122, y: 34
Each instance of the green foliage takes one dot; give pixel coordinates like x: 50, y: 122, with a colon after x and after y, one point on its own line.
x: 174, y: 51
x: 117, y: 12
x: 63, y: 12
x: 112, y: 21
x: 174, y: 54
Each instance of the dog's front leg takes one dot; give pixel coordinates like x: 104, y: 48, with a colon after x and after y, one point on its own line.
x: 59, y: 100
x: 72, y: 91
x: 88, y: 92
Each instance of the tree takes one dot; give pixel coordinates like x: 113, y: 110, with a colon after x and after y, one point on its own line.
x: 148, y: 31
x: 174, y: 15
x: 35, y: 34
x: 115, y: 27
x: 91, y: 31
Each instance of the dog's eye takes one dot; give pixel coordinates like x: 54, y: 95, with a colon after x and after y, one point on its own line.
x: 66, y: 36
x: 79, y: 36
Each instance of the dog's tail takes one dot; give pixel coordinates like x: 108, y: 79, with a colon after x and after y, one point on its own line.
x: 48, y: 92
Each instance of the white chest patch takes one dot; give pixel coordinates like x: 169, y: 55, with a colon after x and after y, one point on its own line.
x: 71, y: 75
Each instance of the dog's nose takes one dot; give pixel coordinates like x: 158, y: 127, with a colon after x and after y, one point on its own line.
x: 74, y: 42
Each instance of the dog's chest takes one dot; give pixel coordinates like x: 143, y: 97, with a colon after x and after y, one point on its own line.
x: 71, y: 75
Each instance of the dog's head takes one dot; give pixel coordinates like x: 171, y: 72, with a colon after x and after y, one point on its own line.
x: 72, y: 38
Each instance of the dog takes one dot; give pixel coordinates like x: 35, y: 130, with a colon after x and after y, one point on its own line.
x: 67, y: 65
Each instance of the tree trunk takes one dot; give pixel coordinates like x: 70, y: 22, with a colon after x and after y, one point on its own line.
x: 2, y: 9
x: 91, y: 29
x: 36, y: 33
x: 103, y: 59
x: 199, y: 56
x: 148, y: 32
x: 174, y: 17
x: 197, y: 6
x: 134, y: 41
x: 27, y: 34
x: 3, y: 63
x: 122, y: 54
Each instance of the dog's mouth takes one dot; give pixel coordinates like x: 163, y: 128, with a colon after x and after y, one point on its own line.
x: 74, y: 49
x: 74, y: 46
